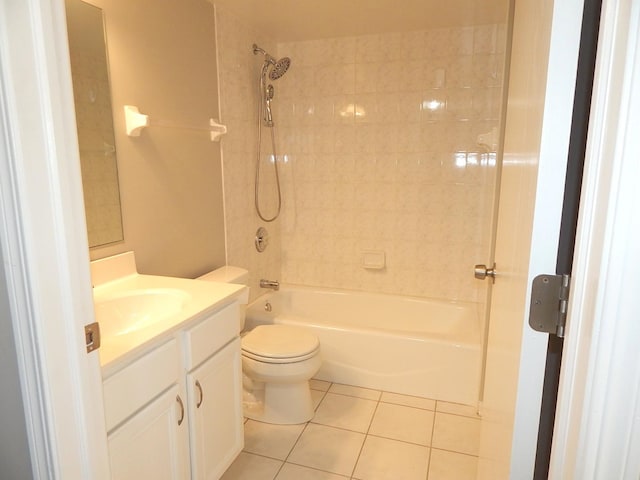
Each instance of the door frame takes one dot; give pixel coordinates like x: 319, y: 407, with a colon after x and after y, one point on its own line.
x: 44, y: 245
x: 597, y: 427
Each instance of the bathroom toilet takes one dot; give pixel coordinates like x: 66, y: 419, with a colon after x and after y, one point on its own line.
x: 277, y: 363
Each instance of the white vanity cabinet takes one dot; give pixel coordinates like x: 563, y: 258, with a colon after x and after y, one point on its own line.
x: 152, y: 444
x: 215, y: 413
x: 175, y: 411
x: 214, y: 389
x: 145, y: 410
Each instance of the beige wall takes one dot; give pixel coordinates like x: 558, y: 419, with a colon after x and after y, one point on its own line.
x: 163, y: 60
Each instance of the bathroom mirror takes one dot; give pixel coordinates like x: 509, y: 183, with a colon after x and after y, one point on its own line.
x: 92, y: 98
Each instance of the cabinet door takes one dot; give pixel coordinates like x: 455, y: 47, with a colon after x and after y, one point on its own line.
x: 151, y: 444
x: 215, y: 412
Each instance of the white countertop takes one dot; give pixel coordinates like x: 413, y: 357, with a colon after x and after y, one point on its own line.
x: 204, y: 297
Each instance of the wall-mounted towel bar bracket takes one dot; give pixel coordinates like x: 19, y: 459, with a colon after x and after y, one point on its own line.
x: 134, y: 120
x: 217, y: 130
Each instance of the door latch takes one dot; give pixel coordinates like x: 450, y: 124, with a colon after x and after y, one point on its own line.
x: 92, y: 336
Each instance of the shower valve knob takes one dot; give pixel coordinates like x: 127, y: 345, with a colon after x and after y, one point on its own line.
x: 262, y: 239
x: 481, y: 272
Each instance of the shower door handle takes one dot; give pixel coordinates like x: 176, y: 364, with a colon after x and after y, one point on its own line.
x: 481, y: 272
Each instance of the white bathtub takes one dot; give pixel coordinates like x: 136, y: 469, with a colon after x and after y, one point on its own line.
x: 397, y: 344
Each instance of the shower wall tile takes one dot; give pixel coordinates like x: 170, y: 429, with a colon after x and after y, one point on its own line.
x: 382, y: 146
x: 238, y: 72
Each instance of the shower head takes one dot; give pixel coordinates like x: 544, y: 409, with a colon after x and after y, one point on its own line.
x: 279, y: 67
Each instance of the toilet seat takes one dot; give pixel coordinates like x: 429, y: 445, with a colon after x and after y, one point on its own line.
x: 279, y: 344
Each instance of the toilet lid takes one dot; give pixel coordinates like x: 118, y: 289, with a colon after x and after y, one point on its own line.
x: 279, y: 341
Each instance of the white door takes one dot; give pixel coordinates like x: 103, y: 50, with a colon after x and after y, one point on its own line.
x: 538, y: 118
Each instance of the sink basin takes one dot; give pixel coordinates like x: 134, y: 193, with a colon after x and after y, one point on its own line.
x: 136, y: 310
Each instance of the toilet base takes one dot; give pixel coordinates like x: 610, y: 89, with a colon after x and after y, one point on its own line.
x: 281, y: 404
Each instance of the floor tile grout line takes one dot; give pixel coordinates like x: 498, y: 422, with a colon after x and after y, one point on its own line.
x: 355, y: 465
x: 458, y: 414
x: 379, y: 392
x: 278, y: 472
x: 340, y: 428
x: 408, y: 406
x: 343, y: 428
x: 292, y: 447
x: 324, y: 395
x: 316, y: 469
x: 435, y: 411
x: 352, y: 396
x: 458, y: 452
x: 366, y: 432
x: 263, y: 456
x: 381, y: 400
x: 398, y: 440
x: 301, y: 432
x: 433, y: 429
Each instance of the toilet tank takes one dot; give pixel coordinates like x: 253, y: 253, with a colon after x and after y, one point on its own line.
x: 229, y: 274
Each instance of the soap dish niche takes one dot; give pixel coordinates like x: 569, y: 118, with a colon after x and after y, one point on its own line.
x: 373, y: 259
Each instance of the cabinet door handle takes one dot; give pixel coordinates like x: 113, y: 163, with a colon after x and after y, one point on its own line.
x: 199, y: 387
x: 179, y: 400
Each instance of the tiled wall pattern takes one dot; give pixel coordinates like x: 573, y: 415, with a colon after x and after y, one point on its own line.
x: 239, y: 71
x: 379, y: 152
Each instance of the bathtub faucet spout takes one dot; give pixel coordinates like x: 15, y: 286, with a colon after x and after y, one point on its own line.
x: 273, y: 284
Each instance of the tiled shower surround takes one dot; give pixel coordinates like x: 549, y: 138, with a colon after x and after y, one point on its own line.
x: 378, y: 151
x: 238, y: 75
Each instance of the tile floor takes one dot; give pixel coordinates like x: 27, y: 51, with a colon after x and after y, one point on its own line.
x: 364, y: 434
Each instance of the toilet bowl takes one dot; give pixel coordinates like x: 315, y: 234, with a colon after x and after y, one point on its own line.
x: 277, y: 363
